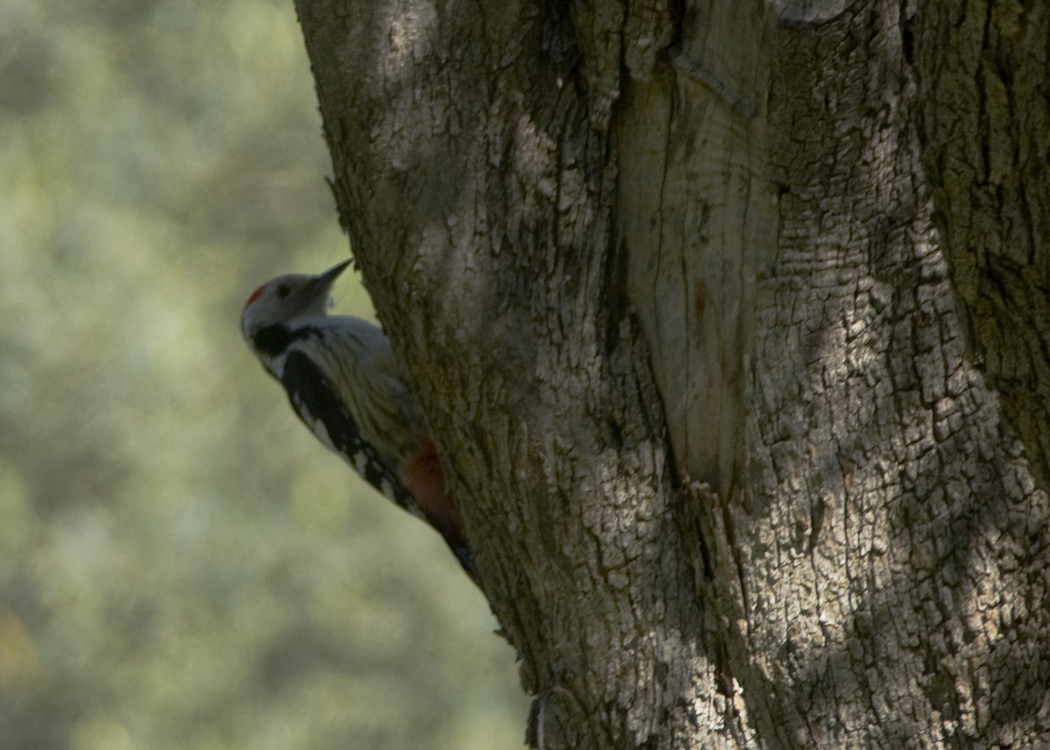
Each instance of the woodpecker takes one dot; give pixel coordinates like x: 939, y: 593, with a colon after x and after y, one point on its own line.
x: 343, y: 382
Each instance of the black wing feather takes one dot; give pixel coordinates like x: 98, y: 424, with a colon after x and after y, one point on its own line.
x: 314, y: 399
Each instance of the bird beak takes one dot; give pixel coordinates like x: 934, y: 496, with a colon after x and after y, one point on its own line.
x: 332, y: 273
x: 322, y: 282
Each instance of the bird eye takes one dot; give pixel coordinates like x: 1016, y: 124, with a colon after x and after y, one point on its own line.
x: 282, y: 291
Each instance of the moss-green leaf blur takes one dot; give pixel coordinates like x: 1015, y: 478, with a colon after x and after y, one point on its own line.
x: 181, y: 564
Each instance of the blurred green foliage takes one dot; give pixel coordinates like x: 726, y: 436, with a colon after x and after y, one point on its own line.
x: 181, y: 564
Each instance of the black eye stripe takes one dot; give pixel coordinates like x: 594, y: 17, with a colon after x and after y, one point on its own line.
x: 283, y: 290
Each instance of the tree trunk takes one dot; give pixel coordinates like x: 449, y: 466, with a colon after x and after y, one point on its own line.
x: 731, y: 323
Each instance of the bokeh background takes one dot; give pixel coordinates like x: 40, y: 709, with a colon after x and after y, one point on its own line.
x: 181, y: 564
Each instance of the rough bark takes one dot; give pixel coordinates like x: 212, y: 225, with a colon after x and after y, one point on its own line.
x: 730, y: 322
x: 896, y: 544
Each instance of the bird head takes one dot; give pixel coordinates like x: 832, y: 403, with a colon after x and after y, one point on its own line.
x: 288, y: 297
